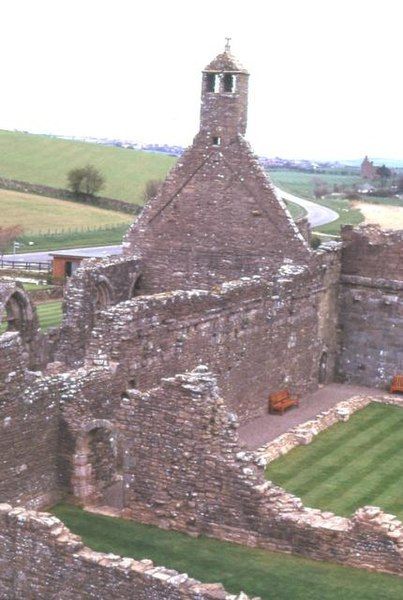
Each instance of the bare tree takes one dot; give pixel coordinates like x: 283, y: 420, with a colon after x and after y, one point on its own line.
x: 152, y: 188
x: 86, y: 180
x: 8, y: 235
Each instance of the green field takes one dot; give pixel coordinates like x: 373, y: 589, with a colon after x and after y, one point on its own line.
x: 46, y: 160
x: 73, y: 239
x: 49, y: 314
x: 348, y: 215
x: 296, y: 210
x: 256, y: 572
x: 349, y: 465
x: 302, y: 184
x: 40, y: 214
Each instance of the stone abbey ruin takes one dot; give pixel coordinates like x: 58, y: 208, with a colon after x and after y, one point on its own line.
x: 135, y: 402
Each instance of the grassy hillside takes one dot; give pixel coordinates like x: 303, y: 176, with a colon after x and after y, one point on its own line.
x: 38, y: 213
x: 46, y: 160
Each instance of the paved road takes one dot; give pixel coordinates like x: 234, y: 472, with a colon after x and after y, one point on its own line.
x: 317, y: 214
x: 46, y: 256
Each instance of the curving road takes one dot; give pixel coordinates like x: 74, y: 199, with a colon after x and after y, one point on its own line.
x: 316, y: 213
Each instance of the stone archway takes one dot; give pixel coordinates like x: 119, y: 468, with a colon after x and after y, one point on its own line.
x: 18, y: 315
x: 98, y: 466
x: 103, y: 294
x: 135, y: 288
x: 323, y: 368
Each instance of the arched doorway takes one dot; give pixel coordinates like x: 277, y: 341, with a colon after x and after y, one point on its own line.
x: 103, y: 294
x: 135, y: 288
x: 98, y: 466
x: 323, y: 368
x: 17, y: 314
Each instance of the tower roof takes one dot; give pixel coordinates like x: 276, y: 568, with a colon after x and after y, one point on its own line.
x: 225, y: 62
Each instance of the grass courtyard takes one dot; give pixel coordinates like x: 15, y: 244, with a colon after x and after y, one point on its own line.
x: 49, y: 314
x: 349, y: 465
x: 257, y: 572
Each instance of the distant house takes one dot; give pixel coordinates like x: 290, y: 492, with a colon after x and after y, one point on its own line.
x: 368, y: 170
x: 65, y: 262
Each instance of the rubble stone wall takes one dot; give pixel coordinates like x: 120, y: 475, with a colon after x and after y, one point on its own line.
x: 257, y: 337
x: 116, y: 276
x: 185, y: 470
x: 216, y: 218
x: 40, y: 558
x: 371, y: 306
x: 29, y: 422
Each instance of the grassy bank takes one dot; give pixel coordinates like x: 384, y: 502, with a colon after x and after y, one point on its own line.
x: 73, y: 239
x: 349, y: 465
x: 257, y: 572
x: 41, y: 214
x: 46, y: 160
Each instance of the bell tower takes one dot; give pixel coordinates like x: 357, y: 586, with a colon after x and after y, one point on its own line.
x: 224, y: 99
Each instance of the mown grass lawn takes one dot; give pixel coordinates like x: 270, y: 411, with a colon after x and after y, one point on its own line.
x: 49, y: 314
x: 349, y: 465
x: 257, y: 572
x: 46, y: 160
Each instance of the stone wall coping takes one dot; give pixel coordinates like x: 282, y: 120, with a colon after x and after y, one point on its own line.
x: 53, y: 532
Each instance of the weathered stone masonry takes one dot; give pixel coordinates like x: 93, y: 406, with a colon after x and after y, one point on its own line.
x: 265, y: 330
x: 215, y: 273
x: 371, y: 313
x: 41, y: 559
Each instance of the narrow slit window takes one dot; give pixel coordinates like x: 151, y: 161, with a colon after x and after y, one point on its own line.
x: 216, y: 141
x: 212, y: 82
x: 229, y: 82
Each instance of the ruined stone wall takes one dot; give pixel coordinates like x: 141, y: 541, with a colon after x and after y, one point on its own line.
x: 371, y: 306
x: 256, y: 336
x: 95, y: 284
x: 41, y: 559
x: 29, y: 422
x: 216, y: 218
x: 185, y: 470
x: 328, y: 265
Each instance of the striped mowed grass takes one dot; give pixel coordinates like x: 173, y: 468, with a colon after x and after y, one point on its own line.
x: 49, y: 314
x: 350, y: 465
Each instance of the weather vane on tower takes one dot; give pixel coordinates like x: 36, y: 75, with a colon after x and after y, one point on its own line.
x: 227, y: 44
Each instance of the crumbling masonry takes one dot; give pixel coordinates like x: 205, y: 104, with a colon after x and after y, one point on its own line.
x: 135, y: 402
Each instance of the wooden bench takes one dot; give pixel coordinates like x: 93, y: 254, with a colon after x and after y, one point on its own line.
x: 281, y: 401
x: 397, y: 384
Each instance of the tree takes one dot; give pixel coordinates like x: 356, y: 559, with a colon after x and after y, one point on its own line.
x: 85, y: 180
x: 400, y: 185
x: 320, y: 188
x: 8, y: 235
x: 384, y: 173
x: 152, y: 188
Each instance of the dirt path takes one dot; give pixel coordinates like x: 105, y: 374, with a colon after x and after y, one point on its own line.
x: 388, y: 217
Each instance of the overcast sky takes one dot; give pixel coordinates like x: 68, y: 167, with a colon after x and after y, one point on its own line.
x: 326, y: 78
